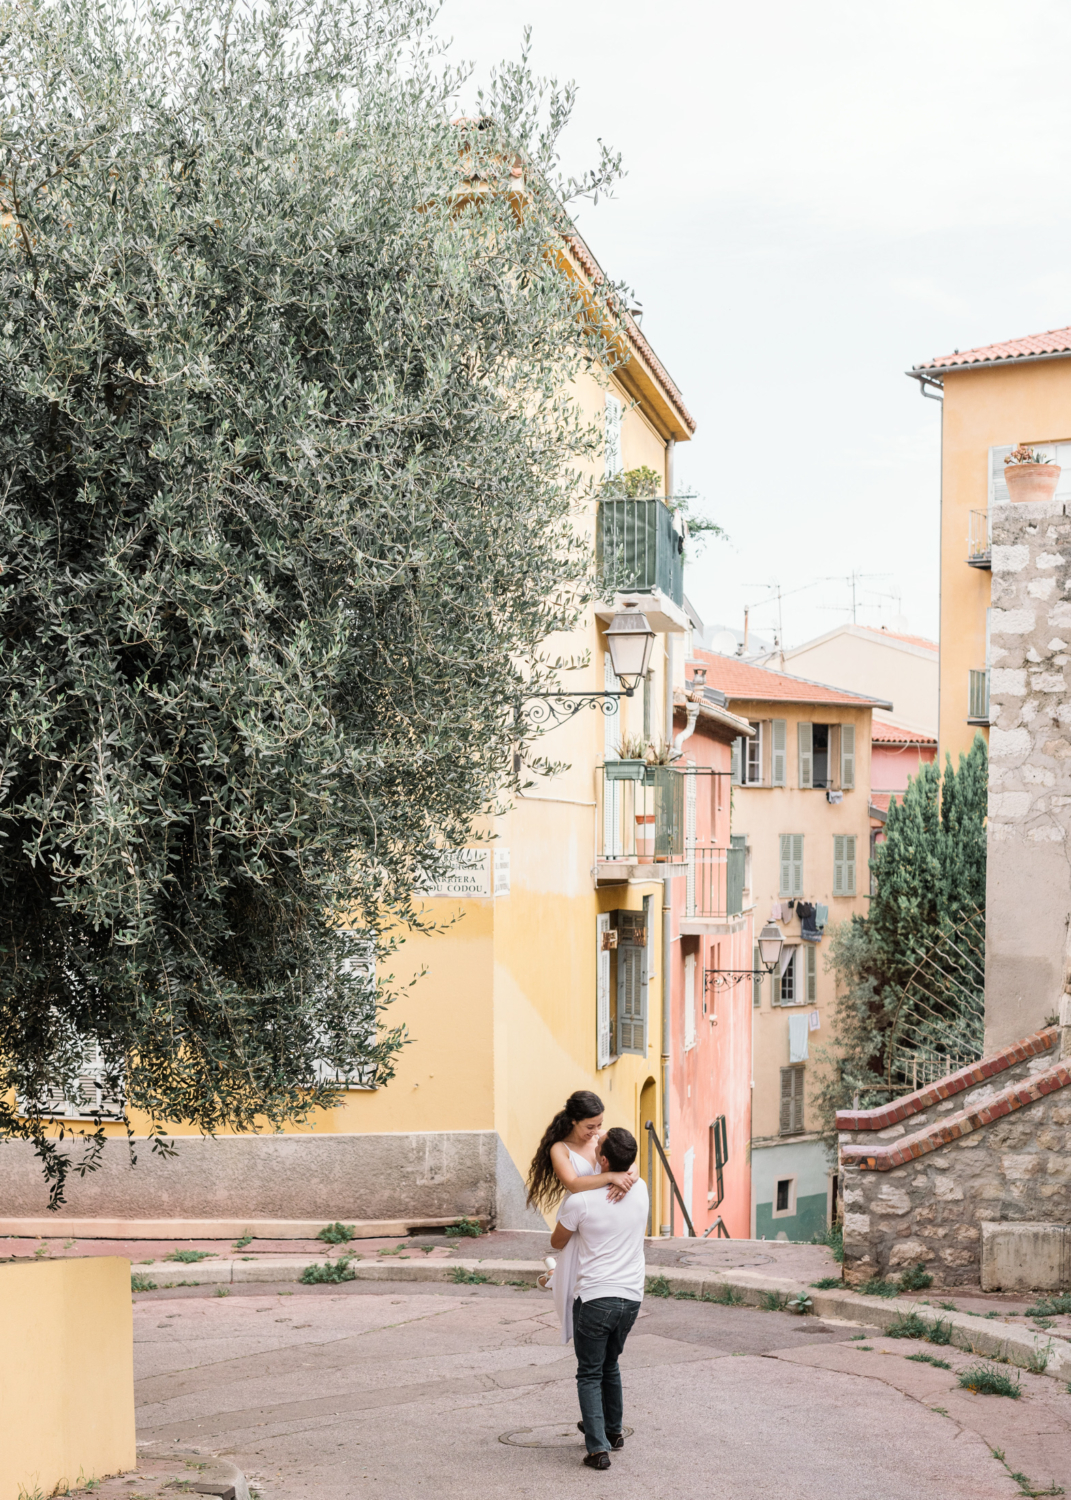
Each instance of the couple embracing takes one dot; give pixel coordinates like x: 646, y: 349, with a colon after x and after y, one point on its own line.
x: 599, y: 1278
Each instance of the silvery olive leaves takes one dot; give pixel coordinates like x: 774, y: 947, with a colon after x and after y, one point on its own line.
x: 288, y: 476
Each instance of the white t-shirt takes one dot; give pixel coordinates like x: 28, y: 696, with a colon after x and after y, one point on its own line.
x: 610, y: 1242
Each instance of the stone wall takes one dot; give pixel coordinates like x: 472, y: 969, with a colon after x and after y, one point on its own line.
x: 992, y: 1143
x: 1028, y: 905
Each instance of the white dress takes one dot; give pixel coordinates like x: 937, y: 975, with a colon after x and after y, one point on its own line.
x: 563, y: 1282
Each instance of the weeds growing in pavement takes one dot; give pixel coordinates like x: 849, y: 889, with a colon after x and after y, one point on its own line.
x: 223, y: 1291
x: 985, y: 1380
x: 336, y: 1233
x: 189, y: 1257
x: 469, y: 1278
x: 243, y: 1241
x: 940, y: 1333
x: 915, y: 1279
x: 1050, y: 1307
x: 948, y: 1307
x: 800, y: 1304
x: 658, y: 1286
x: 686, y: 1296
x: 724, y: 1296
x: 1038, y: 1360
x: 139, y: 1282
x: 827, y: 1283
x: 773, y: 1301
x: 991, y: 1315
x: 908, y: 1326
x: 464, y: 1229
x: 331, y: 1271
x: 1026, y: 1485
x: 930, y: 1359
x: 876, y: 1287
x: 834, y: 1238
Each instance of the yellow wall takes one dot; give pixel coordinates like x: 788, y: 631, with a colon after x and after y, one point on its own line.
x: 67, y: 1376
x: 1028, y: 403
x: 871, y: 662
x: 763, y: 813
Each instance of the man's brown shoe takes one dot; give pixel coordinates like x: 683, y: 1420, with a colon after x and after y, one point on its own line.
x: 597, y: 1460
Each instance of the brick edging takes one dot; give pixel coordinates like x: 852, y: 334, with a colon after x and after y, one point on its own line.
x: 912, y: 1104
x: 1015, y: 1096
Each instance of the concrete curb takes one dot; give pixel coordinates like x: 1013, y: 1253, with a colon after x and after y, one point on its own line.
x: 214, y: 1476
x: 970, y: 1332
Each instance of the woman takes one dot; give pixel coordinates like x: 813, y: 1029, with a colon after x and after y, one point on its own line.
x: 567, y: 1161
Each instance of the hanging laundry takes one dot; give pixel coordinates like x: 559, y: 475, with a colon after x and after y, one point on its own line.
x: 775, y: 912
x: 821, y: 916
x: 813, y: 1021
x: 797, y: 1039
x: 808, y: 928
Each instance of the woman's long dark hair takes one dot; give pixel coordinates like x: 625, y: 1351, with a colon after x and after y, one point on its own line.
x: 544, y: 1189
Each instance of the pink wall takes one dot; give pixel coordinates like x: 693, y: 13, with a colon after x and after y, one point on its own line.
x: 891, y: 765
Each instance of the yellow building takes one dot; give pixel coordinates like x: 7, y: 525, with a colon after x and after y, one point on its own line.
x: 994, y: 397
x: 525, y: 998
x: 801, y: 800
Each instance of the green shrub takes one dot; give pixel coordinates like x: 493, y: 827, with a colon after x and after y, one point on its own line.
x: 223, y: 1291
x: 800, y: 1304
x: 658, y: 1286
x: 915, y: 1279
x: 834, y: 1238
x: 908, y: 1326
x: 336, y: 1233
x: 139, y: 1282
x: 827, y: 1283
x: 331, y: 1271
x: 464, y: 1229
x: 876, y: 1287
x: 773, y: 1301
x: 243, y: 1241
x: 1050, y: 1307
x: 1038, y: 1359
x: 190, y: 1257
x: 940, y: 1333
x: 984, y: 1380
x: 930, y: 1359
x: 470, y: 1278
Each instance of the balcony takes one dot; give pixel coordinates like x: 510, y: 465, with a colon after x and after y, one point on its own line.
x: 979, y: 540
x: 715, y: 891
x: 977, y: 697
x: 639, y: 549
x: 642, y: 818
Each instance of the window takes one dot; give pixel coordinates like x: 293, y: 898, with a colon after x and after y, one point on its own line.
x: 689, y: 1001
x: 632, y: 980
x: 362, y: 964
x: 847, y: 757
x: 602, y: 991
x: 844, y: 864
x: 785, y: 985
x: 717, y: 1159
x: 756, y: 976
x: 805, y: 734
x: 791, y: 864
x: 613, y: 463
x: 784, y: 1198
x: 792, y: 1100
x: 778, y: 738
x: 89, y: 1098
x: 1058, y: 452
x: 754, y: 757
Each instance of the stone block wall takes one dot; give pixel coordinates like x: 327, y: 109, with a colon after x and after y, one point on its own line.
x: 920, y: 1177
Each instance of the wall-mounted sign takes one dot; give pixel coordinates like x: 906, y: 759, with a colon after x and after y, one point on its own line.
x: 473, y: 873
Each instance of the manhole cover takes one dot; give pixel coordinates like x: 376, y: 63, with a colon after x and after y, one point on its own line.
x: 563, y: 1435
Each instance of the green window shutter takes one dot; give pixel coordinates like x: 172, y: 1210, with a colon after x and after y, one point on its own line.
x: 849, y: 864
x: 806, y: 747
x: 847, y: 757
x: 792, y: 1101
x: 812, y: 973
x: 602, y: 994
x: 631, y: 984
x: 738, y: 762
x: 795, y: 887
x: 756, y: 976
x: 838, y: 864
x: 778, y: 739
x: 786, y: 865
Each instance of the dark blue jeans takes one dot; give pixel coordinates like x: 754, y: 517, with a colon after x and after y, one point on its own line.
x: 600, y: 1329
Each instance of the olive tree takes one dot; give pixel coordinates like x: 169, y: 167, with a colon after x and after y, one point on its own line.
x: 288, y: 478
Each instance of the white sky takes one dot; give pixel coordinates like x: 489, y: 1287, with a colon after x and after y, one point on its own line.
x: 818, y: 197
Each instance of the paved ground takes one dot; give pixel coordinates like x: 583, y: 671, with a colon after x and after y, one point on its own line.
x: 374, y: 1389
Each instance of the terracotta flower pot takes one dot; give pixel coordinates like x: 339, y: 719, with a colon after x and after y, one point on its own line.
x: 1031, y: 481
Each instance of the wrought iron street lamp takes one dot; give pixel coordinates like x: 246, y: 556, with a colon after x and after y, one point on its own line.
x: 629, y: 641
x: 770, y: 942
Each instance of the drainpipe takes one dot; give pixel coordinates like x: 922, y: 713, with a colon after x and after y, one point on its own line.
x: 667, y: 982
x: 694, y: 699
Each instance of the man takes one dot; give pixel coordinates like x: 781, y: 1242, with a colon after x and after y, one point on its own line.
x: 609, y: 1290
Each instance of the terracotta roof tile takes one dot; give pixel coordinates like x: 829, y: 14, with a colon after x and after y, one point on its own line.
x: 883, y: 733
x: 892, y: 635
x: 1057, y: 341
x: 740, y: 680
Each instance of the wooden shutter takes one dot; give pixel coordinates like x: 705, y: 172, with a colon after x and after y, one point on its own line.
x: 792, y: 1100
x: 602, y: 994
x: 838, y: 864
x: 811, y: 985
x: 778, y: 738
x: 738, y: 762
x: 806, y: 745
x: 844, y: 864
x: 849, y: 864
x: 631, y: 977
x: 689, y: 1001
x: 847, y: 757
x: 998, y: 489
x: 785, y: 886
x: 791, y: 864
x: 613, y: 461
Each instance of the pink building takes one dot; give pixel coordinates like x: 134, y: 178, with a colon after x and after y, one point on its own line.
x: 895, y: 756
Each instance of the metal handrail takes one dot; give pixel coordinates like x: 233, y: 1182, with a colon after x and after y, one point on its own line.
x: 652, y: 1138
x: 719, y: 1225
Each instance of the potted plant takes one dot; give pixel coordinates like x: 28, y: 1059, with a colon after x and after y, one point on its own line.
x: 1030, y: 477
x: 632, y: 764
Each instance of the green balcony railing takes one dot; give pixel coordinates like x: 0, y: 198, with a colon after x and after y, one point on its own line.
x: 639, y: 548
x: 716, y: 890
x: 643, y: 819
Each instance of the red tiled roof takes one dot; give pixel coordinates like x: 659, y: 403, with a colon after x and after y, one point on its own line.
x: 740, y: 680
x: 884, y: 733
x: 635, y: 337
x: 892, y: 635
x: 1057, y: 341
